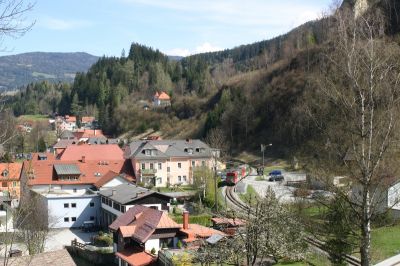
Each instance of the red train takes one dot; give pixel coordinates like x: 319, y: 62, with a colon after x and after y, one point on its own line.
x: 235, y: 175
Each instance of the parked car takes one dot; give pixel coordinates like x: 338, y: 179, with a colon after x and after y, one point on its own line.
x: 274, y: 178
x: 275, y: 172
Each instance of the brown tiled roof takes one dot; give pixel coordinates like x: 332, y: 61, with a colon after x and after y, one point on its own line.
x: 144, y: 220
x: 198, y: 231
x: 10, y: 171
x: 63, y: 143
x: 42, y: 173
x: 93, y: 152
x: 228, y: 221
x: 59, y: 258
x: 88, y: 133
x: 163, y: 96
x: 136, y: 258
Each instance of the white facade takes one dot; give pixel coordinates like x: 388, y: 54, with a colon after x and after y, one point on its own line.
x: 114, y: 182
x: 152, y: 243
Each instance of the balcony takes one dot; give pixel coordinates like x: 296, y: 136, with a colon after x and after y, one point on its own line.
x: 148, y: 172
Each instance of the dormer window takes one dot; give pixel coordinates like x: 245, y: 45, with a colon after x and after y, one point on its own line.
x: 197, y: 149
x: 147, y: 152
x: 5, y: 173
x: 189, y: 150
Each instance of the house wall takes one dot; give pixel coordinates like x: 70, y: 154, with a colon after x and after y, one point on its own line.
x: 82, y: 212
x: 175, y: 175
x: 152, y: 243
x: 12, y: 186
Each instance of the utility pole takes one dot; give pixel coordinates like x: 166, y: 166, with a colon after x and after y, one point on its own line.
x: 215, y: 154
x: 263, y: 147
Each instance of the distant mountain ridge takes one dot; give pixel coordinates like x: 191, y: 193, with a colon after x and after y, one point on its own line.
x: 21, y: 69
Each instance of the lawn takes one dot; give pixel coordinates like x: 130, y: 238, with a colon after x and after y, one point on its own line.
x: 250, y: 196
x: 385, y: 242
x: 202, y: 219
x: 277, y: 165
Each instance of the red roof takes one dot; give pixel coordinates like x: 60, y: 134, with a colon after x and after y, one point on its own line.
x: 93, y: 153
x: 70, y: 118
x: 88, y: 133
x: 10, y: 171
x: 41, y: 172
x: 163, y: 96
x: 143, y: 222
x: 136, y: 258
x: 87, y: 119
x: 110, y: 175
x: 196, y: 231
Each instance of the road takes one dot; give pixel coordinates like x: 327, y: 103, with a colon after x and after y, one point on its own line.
x: 284, y: 193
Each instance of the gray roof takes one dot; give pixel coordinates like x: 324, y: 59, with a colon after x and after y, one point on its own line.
x: 214, y: 238
x: 66, y: 134
x: 168, y: 148
x: 127, y: 193
x: 67, y: 169
x: 63, y: 143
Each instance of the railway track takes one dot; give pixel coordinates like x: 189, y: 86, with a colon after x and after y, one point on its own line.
x: 229, y: 191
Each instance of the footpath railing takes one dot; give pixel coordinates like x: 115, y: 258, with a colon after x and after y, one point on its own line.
x: 77, y: 244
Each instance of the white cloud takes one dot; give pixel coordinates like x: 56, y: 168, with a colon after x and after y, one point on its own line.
x: 206, y: 47
x: 61, y: 24
x: 203, y: 48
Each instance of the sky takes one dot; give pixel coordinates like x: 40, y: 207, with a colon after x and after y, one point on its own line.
x: 175, y: 27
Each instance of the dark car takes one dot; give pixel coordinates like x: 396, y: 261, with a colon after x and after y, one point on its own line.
x: 274, y: 178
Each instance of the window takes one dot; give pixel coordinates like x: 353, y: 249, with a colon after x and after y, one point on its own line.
x: 73, y: 205
x: 91, y: 204
x: 184, y: 178
x: 143, y: 166
x: 117, y: 206
x: 66, y: 219
x: 147, y: 152
x: 151, y: 165
x: 193, y: 163
x: 91, y: 218
x: 123, y: 209
x: 4, y: 184
x: 66, y: 205
x: 73, y: 219
x: 14, y: 183
x: 203, y: 163
x: 159, y: 166
x: 179, y: 178
x: 179, y: 165
x: 103, y: 200
x: 168, y: 169
x: 159, y: 180
x: 74, y: 190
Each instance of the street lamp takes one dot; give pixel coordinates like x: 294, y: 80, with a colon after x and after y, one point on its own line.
x: 215, y: 154
x: 263, y: 147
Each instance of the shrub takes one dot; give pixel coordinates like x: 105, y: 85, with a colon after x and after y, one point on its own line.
x: 103, y: 240
x: 302, y: 193
x: 179, y: 244
x: 153, y: 251
x: 101, y: 233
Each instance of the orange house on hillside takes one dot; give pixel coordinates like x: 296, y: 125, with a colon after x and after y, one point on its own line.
x: 161, y: 99
x: 10, y: 175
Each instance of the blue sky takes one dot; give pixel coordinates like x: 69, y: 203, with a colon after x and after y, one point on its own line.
x: 176, y: 27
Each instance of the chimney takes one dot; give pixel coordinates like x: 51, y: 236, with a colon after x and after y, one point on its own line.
x: 185, y: 220
x: 83, y: 159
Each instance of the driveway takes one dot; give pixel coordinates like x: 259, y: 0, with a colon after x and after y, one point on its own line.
x: 284, y: 193
x: 58, y: 238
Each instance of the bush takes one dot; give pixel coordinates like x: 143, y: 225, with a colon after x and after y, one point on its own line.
x: 103, y: 240
x: 179, y: 244
x: 153, y: 251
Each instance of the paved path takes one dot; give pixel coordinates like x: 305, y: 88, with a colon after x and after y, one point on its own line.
x: 58, y: 238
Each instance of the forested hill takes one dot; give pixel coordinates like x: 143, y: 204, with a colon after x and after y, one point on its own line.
x: 22, y: 69
x: 251, y: 94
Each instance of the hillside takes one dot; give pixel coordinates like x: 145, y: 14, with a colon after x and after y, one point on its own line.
x: 251, y: 94
x: 21, y: 69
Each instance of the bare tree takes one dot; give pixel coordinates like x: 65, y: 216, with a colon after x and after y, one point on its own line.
x: 12, y: 18
x: 216, y: 139
x: 357, y: 102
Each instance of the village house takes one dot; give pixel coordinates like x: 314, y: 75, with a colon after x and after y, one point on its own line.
x: 87, y: 152
x: 118, y: 199
x: 87, y: 121
x: 168, y: 162
x: 67, y: 187
x: 10, y: 174
x: 142, y: 230
x: 161, y: 99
